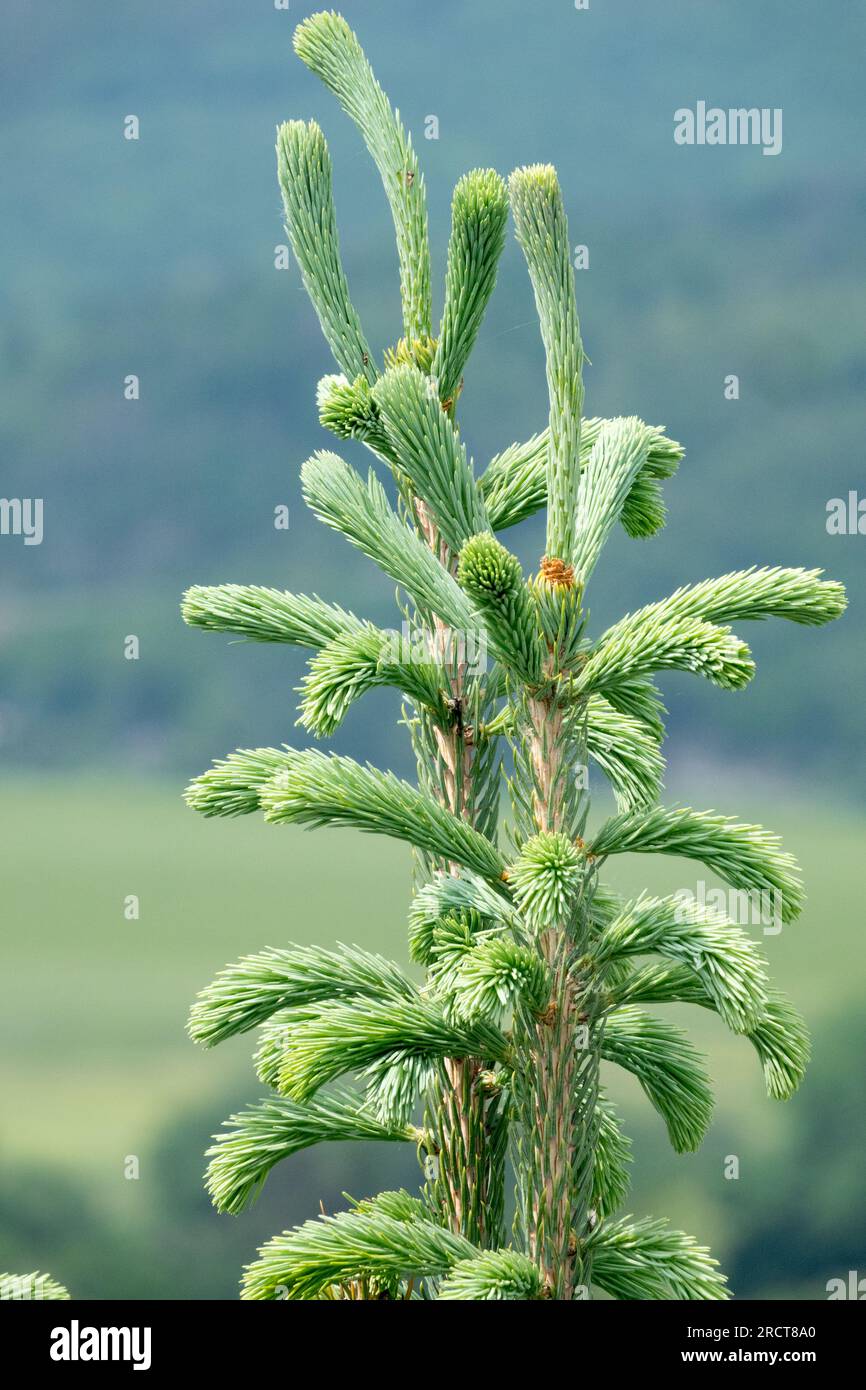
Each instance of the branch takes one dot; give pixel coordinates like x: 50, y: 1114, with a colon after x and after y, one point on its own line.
x: 542, y: 231
x: 638, y: 697
x: 479, y: 212
x: 639, y: 647
x: 426, y: 448
x: 318, y: 789
x: 366, y: 659
x: 363, y: 514
x: 799, y: 595
x: 547, y: 878
x: 266, y: 615
x: 256, y: 987
x: 338, y: 1036
x: 514, y: 484
x: 254, y: 1142
x: 304, y: 171
x: 33, y: 1287
x: 493, y: 579
x: 780, y: 1036
x: 395, y: 1083
x: 745, y: 856
x: 330, y: 49
x: 446, y: 894
x: 618, y: 456
x: 626, y: 752
x: 668, y: 1068
x: 502, y: 1275
x: 648, y: 1260
x: 611, y: 1158
x: 496, y: 975
x: 348, y: 410
x: 719, y: 952
x: 300, y: 1264
x: 233, y: 785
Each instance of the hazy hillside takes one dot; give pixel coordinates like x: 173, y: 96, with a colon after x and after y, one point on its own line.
x: 156, y: 257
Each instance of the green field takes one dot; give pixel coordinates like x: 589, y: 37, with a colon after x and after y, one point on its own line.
x: 93, y: 1004
x: 96, y: 1065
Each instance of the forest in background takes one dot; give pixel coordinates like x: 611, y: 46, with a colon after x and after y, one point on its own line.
x: 156, y: 257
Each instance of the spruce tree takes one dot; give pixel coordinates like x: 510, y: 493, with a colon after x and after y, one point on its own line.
x: 33, y: 1287
x: 537, y: 975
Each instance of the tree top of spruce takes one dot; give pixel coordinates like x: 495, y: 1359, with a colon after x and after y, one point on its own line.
x: 536, y: 974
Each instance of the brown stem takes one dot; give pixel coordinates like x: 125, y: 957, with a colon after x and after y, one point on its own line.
x: 562, y: 1075
x: 464, y: 1171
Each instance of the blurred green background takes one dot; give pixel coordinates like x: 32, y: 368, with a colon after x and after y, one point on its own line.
x: 156, y: 257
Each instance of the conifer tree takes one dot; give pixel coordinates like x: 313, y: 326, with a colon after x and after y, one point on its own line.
x: 537, y: 975
x: 33, y: 1287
